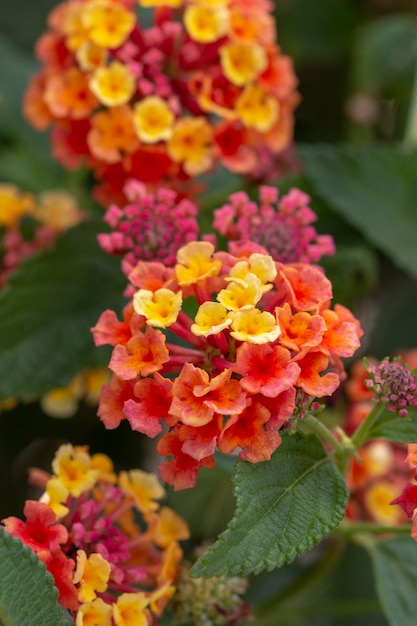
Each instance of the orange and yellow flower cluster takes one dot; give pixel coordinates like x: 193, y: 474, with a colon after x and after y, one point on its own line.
x: 28, y: 224
x: 109, y: 568
x: 252, y: 332
x: 205, y: 83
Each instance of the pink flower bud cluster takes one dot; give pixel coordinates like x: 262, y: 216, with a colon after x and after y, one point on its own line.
x: 283, y: 226
x: 394, y: 385
x: 152, y: 227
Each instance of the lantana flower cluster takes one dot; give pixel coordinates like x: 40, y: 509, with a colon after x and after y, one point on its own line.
x: 29, y: 223
x: 112, y: 549
x: 253, y: 331
x: 205, y: 83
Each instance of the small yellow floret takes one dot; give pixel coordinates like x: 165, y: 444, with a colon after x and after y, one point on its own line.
x: 378, y: 498
x: 255, y: 326
x: 14, y: 204
x: 59, y: 210
x: 62, y: 402
x: 92, y: 574
x: 90, y: 56
x: 108, y: 23
x: 143, y: 487
x: 206, y: 23
x: 56, y: 493
x: 153, y: 119
x: 130, y: 610
x: 191, y: 144
x: 72, y: 466
x: 195, y: 263
x: 240, y: 295
x: 169, y: 527
x: 160, y: 307
x: 261, y: 265
x: 93, y: 613
x: 242, y: 63
x: 113, y: 85
x: 256, y: 109
x: 211, y: 318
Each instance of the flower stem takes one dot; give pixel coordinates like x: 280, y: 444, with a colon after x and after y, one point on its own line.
x: 324, y: 433
x: 361, y: 434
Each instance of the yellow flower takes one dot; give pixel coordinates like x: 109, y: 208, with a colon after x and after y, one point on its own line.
x: 242, y: 63
x: 92, y: 574
x: 153, y: 119
x: 160, y: 308
x: 90, y: 55
x: 206, y: 23
x: 94, y: 613
x: 56, y: 493
x: 195, y: 263
x: 255, y: 326
x: 113, y: 85
x: 130, y: 610
x: 108, y: 23
x: 160, y: 597
x: 71, y: 24
x: 241, y: 295
x: 62, y: 402
x: 211, y: 318
x: 104, y: 465
x: 378, y: 498
x: 143, y: 487
x: 72, y: 466
x: 262, y: 265
x: 160, y: 3
x: 191, y: 144
x: 256, y: 109
x: 169, y: 527
x: 59, y: 210
x: 14, y: 204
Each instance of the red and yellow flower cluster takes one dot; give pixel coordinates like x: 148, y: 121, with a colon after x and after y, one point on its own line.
x: 109, y: 568
x: 28, y: 224
x: 252, y: 332
x: 205, y: 83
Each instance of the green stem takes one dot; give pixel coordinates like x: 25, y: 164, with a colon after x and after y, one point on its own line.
x: 360, y: 436
x: 352, y: 528
x: 410, y: 138
x: 324, y: 433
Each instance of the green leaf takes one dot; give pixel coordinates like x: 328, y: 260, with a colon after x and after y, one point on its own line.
x: 395, y: 569
x: 27, y: 592
x: 284, y: 507
x: 373, y: 187
x: 47, y: 310
x: 398, y: 429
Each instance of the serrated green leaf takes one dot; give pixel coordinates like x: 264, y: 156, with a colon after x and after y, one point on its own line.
x: 47, y: 310
x: 395, y: 570
x: 27, y: 592
x: 397, y: 429
x: 373, y: 187
x: 284, y: 507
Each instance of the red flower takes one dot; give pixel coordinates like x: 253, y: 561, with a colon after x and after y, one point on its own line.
x: 265, y: 369
x: 40, y: 531
x: 182, y: 470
